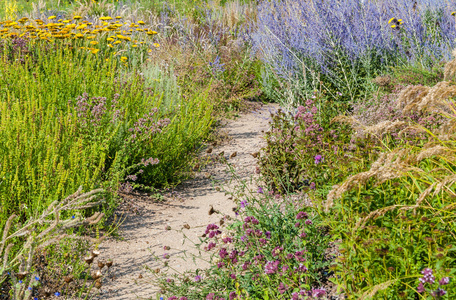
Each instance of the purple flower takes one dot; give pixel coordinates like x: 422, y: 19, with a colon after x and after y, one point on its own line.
x: 312, y: 186
x: 233, y: 276
x: 210, y: 296
x: 439, y: 293
x: 301, y: 268
x: 227, y: 240
x: 183, y: 298
x: 243, y: 203
x: 271, y: 267
x: 260, y: 190
x: 318, y: 159
x: 57, y: 294
x: 198, y: 278
x: 173, y: 298
x: 233, y: 295
x: 318, y: 293
x: 308, y: 222
x: 428, y: 276
x: 277, y: 250
x: 282, y: 288
x: 444, y: 281
x: 420, y: 288
x: 268, y: 234
x: 301, y: 215
x: 165, y: 255
x: 223, y: 253
x: 210, y: 246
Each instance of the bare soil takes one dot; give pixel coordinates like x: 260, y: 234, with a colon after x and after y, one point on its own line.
x: 150, y: 226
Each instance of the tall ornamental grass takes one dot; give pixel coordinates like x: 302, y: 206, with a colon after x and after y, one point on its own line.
x: 68, y: 118
x: 334, y: 45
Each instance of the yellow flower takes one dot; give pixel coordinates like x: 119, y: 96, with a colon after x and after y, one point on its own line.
x: 134, y: 46
x: 391, y: 20
x: 81, y: 26
x: 95, y: 51
x: 79, y: 35
x: 117, y: 42
x: 93, y: 43
x: 67, y: 21
x: 110, y: 39
x: 51, y: 17
x: 118, y: 17
x: 141, y: 23
x: 124, y: 59
x: 90, y: 37
x: 151, y: 32
x: 105, y: 18
x: 453, y: 13
x: 110, y: 46
x: 157, y: 45
x: 77, y: 17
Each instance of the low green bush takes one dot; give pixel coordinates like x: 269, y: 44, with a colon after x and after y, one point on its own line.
x: 70, y: 119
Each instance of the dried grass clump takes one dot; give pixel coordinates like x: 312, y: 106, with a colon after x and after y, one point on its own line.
x: 450, y: 68
x: 388, y: 166
x: 400, y: 162
x: 37, y: 240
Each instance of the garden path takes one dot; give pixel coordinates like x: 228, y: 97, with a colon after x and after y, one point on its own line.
x: 144, y: 234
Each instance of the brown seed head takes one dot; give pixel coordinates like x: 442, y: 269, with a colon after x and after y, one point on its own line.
x: 68, y: 278
x: 21, y: 275
x: 95, y: 252
x: 109, y: 263
x: 211, y: 210
x: 186, y: 226
x: 101, y: 264
x: 98, y: 284
x: 89, y: 259
x: 96, y: 275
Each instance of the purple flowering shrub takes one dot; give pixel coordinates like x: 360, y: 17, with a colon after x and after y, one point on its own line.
x: 303, y: 148
x: 341, y: 43
x: 269, y: 249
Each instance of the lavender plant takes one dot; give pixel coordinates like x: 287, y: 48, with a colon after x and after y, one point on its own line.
x: 343, y: 42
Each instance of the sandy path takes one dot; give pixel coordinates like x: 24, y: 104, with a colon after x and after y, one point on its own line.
x: 143, y: 234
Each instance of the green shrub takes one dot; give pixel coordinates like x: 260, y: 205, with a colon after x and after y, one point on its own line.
x: 70, y: 119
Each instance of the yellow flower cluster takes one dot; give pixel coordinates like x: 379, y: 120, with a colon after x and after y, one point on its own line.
x: 113, y: 30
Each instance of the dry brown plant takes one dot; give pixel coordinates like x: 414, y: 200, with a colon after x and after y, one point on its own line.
x: 37, y: 240
x: 450, y: 68
x: 388, y: 166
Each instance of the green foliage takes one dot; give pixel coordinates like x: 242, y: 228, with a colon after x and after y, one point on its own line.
x: 274, y: 248
x: 67, y: 120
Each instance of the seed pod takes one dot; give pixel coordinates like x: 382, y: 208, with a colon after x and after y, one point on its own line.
x: 89, y: 259
x: 109, y: 263
x: 21, y: 275
x: 101, y: 264
x: 68, y: 278
x: 98, y: 284
x: 96, y: 275
x: 186, y: 226
x: 211, y: 210
x: 95, y: 252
